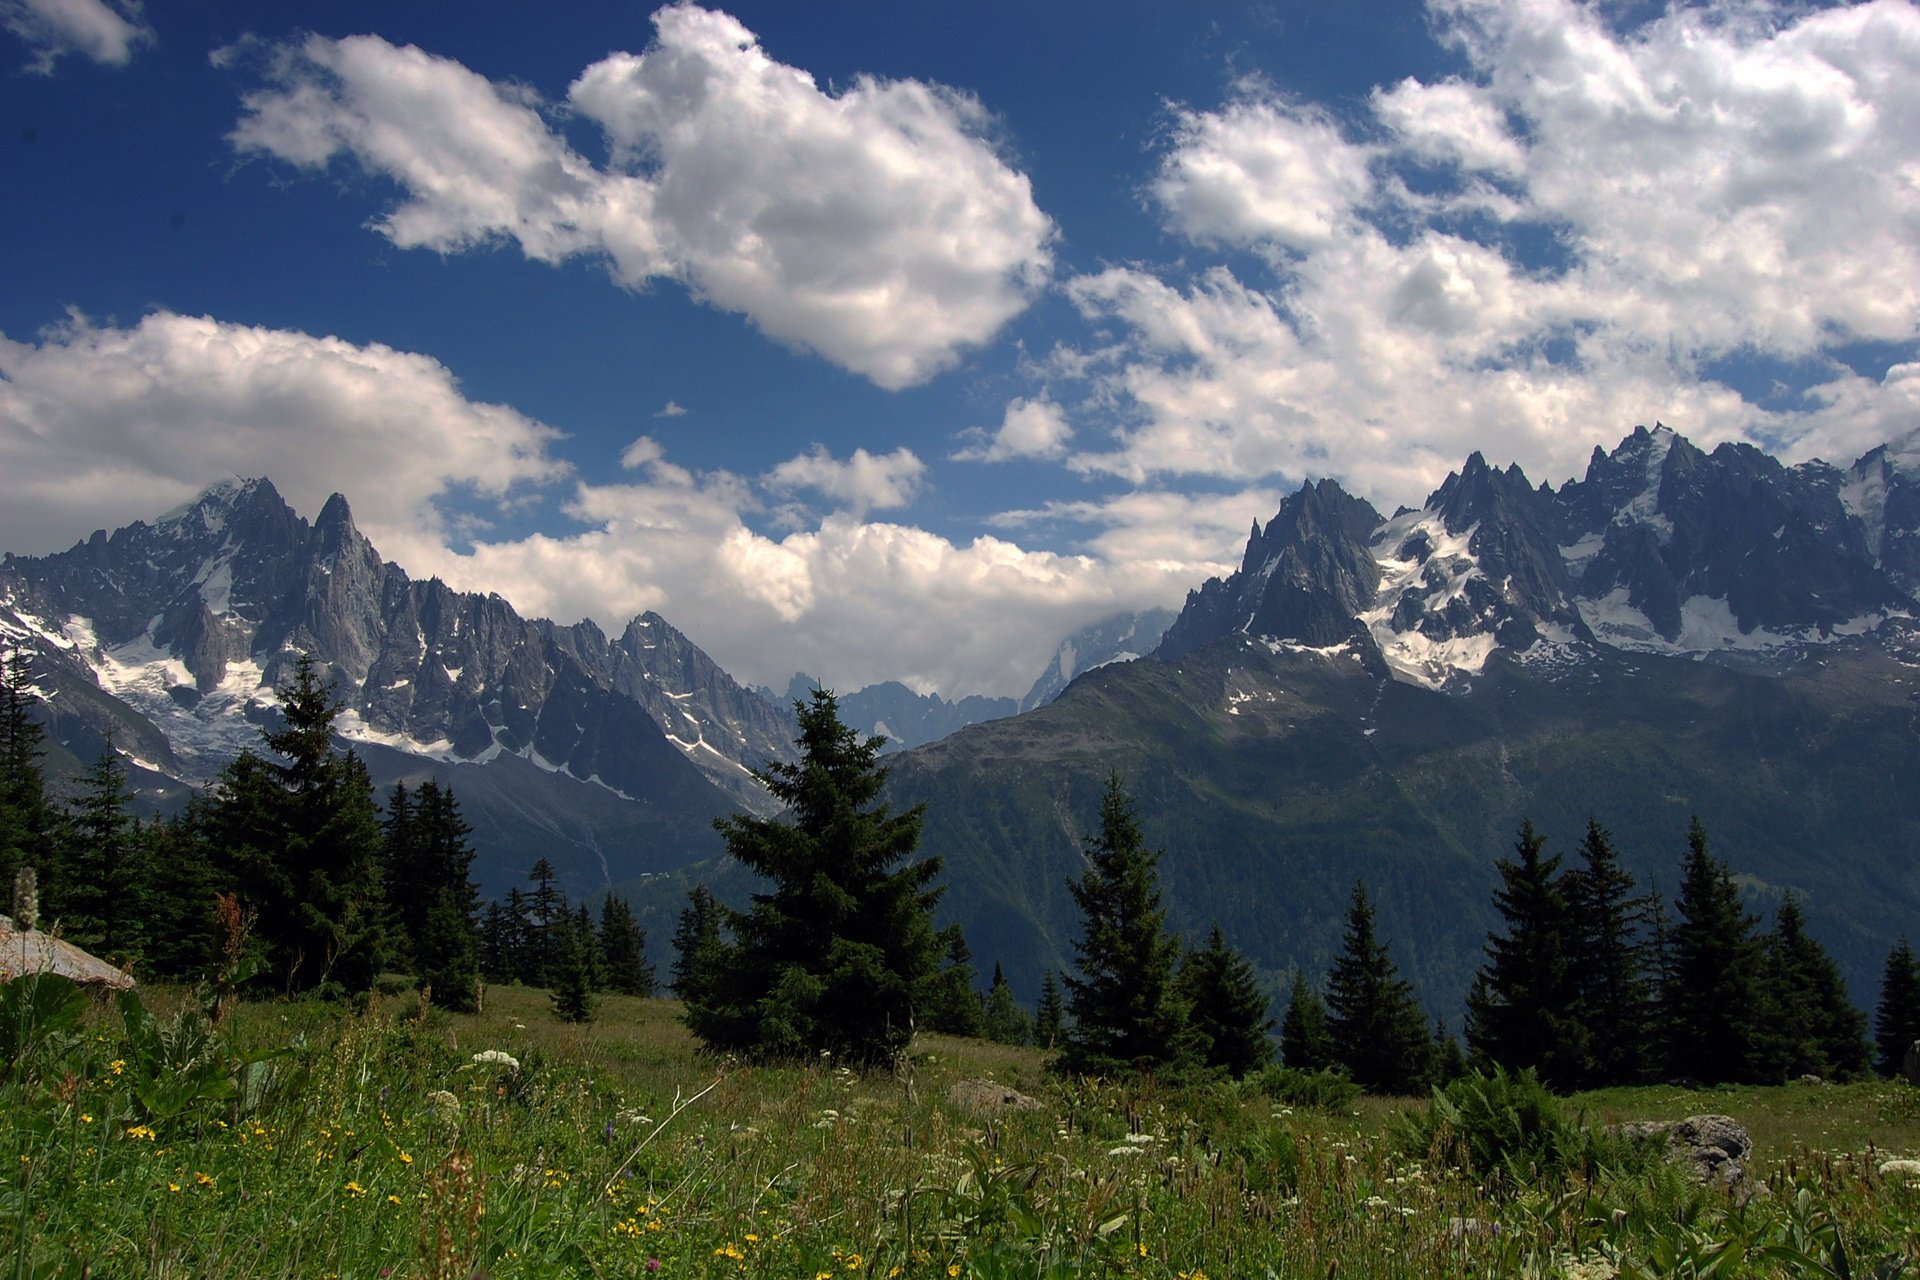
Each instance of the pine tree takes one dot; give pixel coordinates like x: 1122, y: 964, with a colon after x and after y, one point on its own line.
x: 572, y: 995
x: 1127, y: 1015
x: 1710, y: 992
x: 1379, y: 1033
x: 1610, y: 963
x: 1522, y: 1012
x: 951, y: 1005
x: 1449, y: 1061
x: 449, y: 964
x: 589, y: 942
x: 1005, y: 1022
x: 838, y: 955
x: 180, y: 932
x: 1050, y: 1016
x: 1305, y: 1042
x: 1896, y: 1019
x: 544, y: 916
x: 103, y: 885
x: 698, y: 948
x: 1810, y: 1027
x: 624, y: 947
x: 27, y: 821
x: 1226, y: 1008
x: 499, y: 943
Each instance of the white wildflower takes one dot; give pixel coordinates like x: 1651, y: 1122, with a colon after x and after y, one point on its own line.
x: 1909, y: 1168
x: 496, y: 1058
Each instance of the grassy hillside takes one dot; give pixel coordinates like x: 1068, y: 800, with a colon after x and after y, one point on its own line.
x: 386, y: 1145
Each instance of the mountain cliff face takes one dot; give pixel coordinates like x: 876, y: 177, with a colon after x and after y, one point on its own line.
x: 1675, y: 633
x: 172, y: 636
x: 1121, y: 638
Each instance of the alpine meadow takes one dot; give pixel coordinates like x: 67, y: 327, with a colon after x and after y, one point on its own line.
x: 969, y: 640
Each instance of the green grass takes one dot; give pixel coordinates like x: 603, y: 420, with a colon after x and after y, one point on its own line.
x: 616, y: 1150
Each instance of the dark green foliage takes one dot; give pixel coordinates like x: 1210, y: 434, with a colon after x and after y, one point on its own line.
x: 698, y: 948
x: 1710, y: 991
x: 1323, y: 1089
x: 1050, y: 1015
x: 1226, y: 1008
x: 1610, y: 963
x: 500, y: 941
x: 179, y: 913
x: 299, y: 839
x: 448, y: 964
x: 1896, y: 1019
x: 27, y: 821
x: 1522, y: 1012
x: 839, y: 954
x: 951, y: 1006
x: 1379, y: 1033
x: 1506, y: 1129
x: 1305, y: 1042
x: 573, y: 975
x: 429, y: 878
x: 543, y: 915
x: 1449, y: 1061
x: 1127, y: 1015
x: 1810, y: 1027
x: 623, y: 949
x: 1005, y: 1022
x: 101, y: 894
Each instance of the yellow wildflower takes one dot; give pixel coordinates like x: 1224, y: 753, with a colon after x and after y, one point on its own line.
x: 118, y: 1066
x: 355, y: 1189
x: 140, y: 1131
x: 173, y: 1186
x: 405, y: 1158
x: 203, y: 1179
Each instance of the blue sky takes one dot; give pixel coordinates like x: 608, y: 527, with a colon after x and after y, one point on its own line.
x: 896, y: 341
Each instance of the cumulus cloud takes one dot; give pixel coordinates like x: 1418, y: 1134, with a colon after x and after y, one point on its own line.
x: 1581, y: 233
x: 862, y: 483
x: 100, y: 426
x: 877, y: 226
x: 108, y: 33
x: 1030, y: 428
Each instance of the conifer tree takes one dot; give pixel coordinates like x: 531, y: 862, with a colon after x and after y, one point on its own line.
x: 951, y: 1005
x: 698, y: 948
x: 1523, y: 1011
x: 545, y: 914
x: 624, y: 949
x: 181, y: 884
x: 1127, y: 1014
x: 1379, y: 1033
x: 102, y: 892
x: 1004, y: 1021
x: 1610, y: 963
x: 1810, y: 1026
x: 1896, y: 1019
x: 1710, y: 992
x: 499, y: 943
x: 1305, y: 1042
x: 589, y: 942
x: 837, y: 956
x: 1050, y: 1015
x: 572, y: 995
x: 448, y: 963
x: 1226, y: 1008
x: 27, y: 821
x: 1449, y: 1061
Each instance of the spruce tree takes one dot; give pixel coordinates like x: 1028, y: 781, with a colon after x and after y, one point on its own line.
x: 1609, y: 955
x: 182, y: 881
x: 546, y: 916
x: 1710, y: 992
x: 1379, y: 1033
x: 1050, y: 1015
x: 1810, y: 1026
x: 27, y: 821
x: 572, y: 995
x: 838, y: 955
x: 1127, y: 1014
x: 1896, y: 1019
x: 499, y: 944
x: 951, y: 1005
x: 1523, y: 1011
x: 698, y: 948
x: 1004, y: 1021
x: 1305, y: 1042
x: 1226, y: 1008
x: 448, y: 963
x: 102, y: 895
x: 624, y: 948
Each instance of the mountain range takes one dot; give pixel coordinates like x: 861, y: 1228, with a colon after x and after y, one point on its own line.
x: 1366, y: 696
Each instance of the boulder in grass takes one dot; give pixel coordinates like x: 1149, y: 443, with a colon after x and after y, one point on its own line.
x: 984, y: 1097
x: 1713, y: 1145
x: 24, y: 951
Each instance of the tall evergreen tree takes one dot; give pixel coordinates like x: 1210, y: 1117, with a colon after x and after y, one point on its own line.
x: 181, y: 885
x: 1896, y: 1019
x: 1810, y: 1027
x: 1608, y: 953
x: 952, y: 1005
x: 1127, y: 1014
x: 839, y: 954
x: 572, y: 995
x: 583, y: 932
x: 1710, y: 992
x: 698, y: 948
x: 1524, y: 1012
x: 545, y: 915
x: 1379, y: 1033
x: 624, y: 949
x: 499, y: 943
x: 1004, y: 1021
x: 27, y: 821
x: 1226, y: 1008
x: 1305, y: 1042
x: 103, y: 889
x: 1050, y: 1015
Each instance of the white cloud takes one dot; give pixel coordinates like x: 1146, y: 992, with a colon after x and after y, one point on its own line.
x: 862, y: 483
x: 107, y: 33
x: 101, y: 426
x: 1733, y: 182
x: 877, y: 226
x: 1030, y: 428
x: 671, y: 409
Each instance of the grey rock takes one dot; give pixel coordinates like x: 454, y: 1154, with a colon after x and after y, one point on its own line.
x: 988, y: 1097
x: 1713, y: 1145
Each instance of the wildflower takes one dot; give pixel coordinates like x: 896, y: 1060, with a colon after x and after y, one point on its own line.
x: 118, y: 1066
x: 85, y: 1118
x: 203, y: 1179
x: 354, y: 1189
x: 393, y: 1199
x: 1124, y: 1151
x: 729, y: 1250
x: 140, y: 1131
x: 405, y: 1158
x: 444, y: 1104
x: 173, y: 1187
x: 495, y: 1058
x: 653, y: 1264
x: 1911, y: 1168
x: 752, y: 1238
